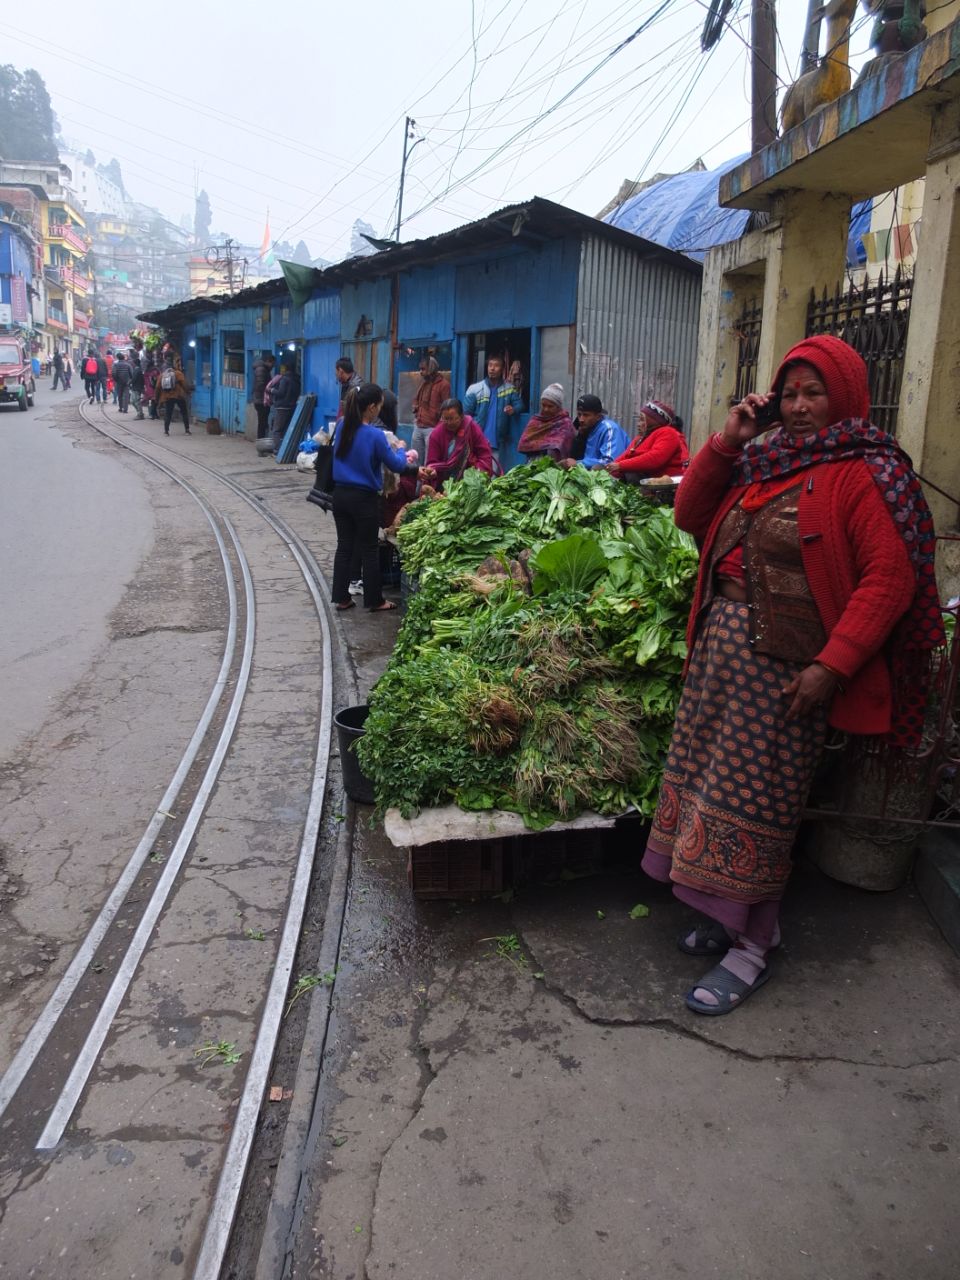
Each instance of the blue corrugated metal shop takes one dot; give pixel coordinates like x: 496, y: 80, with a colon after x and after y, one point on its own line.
x: 561, y: 296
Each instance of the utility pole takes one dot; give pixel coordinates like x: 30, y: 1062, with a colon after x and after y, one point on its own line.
x: 763, y: 73
x: 810, y: 56
x: 409, y: 129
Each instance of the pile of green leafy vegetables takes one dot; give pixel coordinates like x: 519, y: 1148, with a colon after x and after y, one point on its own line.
x: 538, y: 666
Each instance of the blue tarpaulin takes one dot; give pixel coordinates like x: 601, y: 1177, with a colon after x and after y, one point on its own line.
x: 683, y: 213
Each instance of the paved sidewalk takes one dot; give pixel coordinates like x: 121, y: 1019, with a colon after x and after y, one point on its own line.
x: 481, y: 1121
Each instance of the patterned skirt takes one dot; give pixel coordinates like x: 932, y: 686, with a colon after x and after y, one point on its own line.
x: 738, y: 772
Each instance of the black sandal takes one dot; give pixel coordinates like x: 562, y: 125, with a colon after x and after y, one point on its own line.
x: 384, y: 607
x: 342, y: 608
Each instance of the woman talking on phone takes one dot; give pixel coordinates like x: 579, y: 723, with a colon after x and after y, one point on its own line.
x: 816, y: 605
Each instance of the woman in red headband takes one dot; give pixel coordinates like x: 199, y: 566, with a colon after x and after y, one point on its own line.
x: 658, y: 449
x: 816, y: 605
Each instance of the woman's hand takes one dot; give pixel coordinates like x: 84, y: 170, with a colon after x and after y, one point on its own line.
x: 427, y: 475
x: 742, y: 424
x: 813, y: 687
x: 613, y: 469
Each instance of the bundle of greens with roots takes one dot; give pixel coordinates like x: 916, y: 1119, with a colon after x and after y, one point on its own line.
x: 538, y: 666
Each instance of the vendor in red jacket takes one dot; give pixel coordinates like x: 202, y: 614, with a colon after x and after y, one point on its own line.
x: 816, y: 605
x: 456, y: 443
x: 658, y: 449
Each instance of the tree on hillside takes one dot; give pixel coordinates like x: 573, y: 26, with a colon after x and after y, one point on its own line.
x: 112, y: 171
x: 28, y: 126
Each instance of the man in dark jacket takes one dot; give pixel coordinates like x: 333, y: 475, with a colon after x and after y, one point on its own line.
x: 283, y: 401
x: 348, y: 378
x: 103, y: 377
x: 262, y: 373
x: 57, y: 371
x: 122, y: 377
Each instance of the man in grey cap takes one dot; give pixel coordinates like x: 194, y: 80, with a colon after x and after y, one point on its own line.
x: 602, y: 438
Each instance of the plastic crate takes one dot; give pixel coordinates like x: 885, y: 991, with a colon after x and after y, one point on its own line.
x: 460, y: 868
x: 389, y: 565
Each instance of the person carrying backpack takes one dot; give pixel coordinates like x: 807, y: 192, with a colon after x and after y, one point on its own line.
x: 91, y: 372
x: 172, y: 390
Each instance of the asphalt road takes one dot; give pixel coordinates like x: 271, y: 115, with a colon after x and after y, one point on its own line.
x: 74, y: 524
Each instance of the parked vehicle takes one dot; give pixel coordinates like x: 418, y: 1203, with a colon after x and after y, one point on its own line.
x: 16, y: 373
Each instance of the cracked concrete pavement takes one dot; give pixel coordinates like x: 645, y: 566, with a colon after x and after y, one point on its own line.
x: 556, y: 1111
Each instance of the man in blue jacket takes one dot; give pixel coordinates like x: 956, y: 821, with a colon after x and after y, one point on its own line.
x: 603, y: 439
x: 493, y: 403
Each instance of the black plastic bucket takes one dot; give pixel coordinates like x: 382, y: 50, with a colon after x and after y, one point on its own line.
x: 350, y: 722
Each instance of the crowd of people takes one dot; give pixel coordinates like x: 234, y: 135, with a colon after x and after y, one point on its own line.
x: 816, y: 605
x: 135, y: 377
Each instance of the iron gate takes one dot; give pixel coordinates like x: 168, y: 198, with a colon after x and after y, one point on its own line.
x: 874, y: 319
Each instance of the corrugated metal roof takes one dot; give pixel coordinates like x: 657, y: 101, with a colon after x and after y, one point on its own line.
x: 532, y: 221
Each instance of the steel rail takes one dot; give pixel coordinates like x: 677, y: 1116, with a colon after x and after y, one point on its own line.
x: 220, y: 1220
x: 39, y: 1032
x: 90, y: 1050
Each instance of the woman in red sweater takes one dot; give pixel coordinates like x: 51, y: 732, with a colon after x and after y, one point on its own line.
x: 658, y: 449
x: 816, y: 605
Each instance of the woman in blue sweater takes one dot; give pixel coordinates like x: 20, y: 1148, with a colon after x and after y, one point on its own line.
x: 360, y: 452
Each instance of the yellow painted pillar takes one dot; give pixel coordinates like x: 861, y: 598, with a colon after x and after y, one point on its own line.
x: 930, y: 392
x: 810, y: 252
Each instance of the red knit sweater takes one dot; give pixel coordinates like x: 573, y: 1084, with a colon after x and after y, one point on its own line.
x: 860, y: 574
x: 661, y: 453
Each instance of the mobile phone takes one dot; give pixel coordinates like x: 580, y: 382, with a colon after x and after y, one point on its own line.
x: 768, y: 414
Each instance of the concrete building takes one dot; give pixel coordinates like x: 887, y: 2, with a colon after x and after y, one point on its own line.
x: 894, y: 128
x: 65, y: 323
x: 569, y: 298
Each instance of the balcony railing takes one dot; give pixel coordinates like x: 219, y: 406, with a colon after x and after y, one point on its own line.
x: 56, y: 317
x: 67, y: 278
x: 63, y: 231
x: 74, y: 280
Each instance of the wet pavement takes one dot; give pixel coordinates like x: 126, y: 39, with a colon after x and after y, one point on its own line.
x: 514, y: 1086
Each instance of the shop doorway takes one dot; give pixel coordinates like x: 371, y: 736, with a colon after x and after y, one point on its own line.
x: 408, y: 371
x: 513, y: 346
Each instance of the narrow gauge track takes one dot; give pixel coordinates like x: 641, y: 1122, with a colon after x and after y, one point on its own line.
x: 187, y: 788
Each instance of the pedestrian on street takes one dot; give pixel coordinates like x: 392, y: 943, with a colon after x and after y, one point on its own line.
x: 103, y: 379
x: 67, y: 372
x: 434, y: 388
x: 91, y: 373
x: 122, y: 378
x: 283, y: 401
x: 136, y: 385
x: 57, y: 370
x: 360, y: 452
x: 151, y: 376
x: 262, y: 373
x: 816, y: 605
x: 171, y: 392
x: 348, y: 379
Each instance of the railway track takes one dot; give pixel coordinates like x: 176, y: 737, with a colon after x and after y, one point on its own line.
x: 100, y: 1024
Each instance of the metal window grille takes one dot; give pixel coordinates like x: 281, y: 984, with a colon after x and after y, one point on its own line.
x: 874, y: 319
x: 747, y: 332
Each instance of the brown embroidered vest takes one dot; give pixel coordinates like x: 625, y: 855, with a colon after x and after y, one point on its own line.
x: 784, y: 621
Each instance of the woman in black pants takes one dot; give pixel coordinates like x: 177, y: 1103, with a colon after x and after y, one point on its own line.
x: 360, y: 452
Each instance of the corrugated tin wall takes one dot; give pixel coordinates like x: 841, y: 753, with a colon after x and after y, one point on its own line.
x: 637, y: 324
